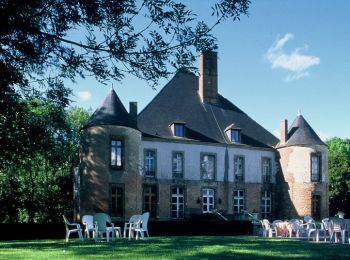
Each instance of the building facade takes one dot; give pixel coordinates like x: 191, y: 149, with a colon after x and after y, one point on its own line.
x: 191, y: 151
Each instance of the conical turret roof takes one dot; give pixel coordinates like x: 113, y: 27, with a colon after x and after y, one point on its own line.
x: 111, y: 112
x: 301, y: 133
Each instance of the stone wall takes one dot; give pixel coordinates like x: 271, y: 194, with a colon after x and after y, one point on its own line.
x: 296, y: 188
x: 96, y: 174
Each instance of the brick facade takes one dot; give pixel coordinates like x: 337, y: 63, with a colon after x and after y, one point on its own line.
x: 296, y: 189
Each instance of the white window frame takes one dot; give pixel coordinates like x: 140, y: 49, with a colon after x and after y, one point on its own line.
x: 238, y: 201
x: 238, y: 167
x: 150, y: 162
x: 266, y: 204
x: 178, y: 165
x: 177, y: 203
x: 208, y: 169
x: 116, y: 153
x: 266, y: 167
x: 315, y: 167
x: 208, y: 200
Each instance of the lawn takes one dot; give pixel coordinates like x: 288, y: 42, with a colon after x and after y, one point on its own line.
x: 195, y: 247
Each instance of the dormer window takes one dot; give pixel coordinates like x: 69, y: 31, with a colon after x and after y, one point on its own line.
x: 178, y: 129
x: 234, y: 134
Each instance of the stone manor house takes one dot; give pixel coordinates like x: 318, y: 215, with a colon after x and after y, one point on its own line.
x: 190, y: 151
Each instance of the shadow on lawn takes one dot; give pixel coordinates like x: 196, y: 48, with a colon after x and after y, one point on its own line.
x: 201, y: 247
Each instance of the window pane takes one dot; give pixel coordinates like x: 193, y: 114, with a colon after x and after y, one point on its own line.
x: 239, y: 167
x: 266, y: 204
x: 150, y: 163
x: 177, y: 165
x: 315, y: 167
x: 208, y: 200
x: 238, y: 201
x: 179, y: 130
x: 116, y: 200
x: 208, y: 167
x: 235, y: 135
x: 116, y: 155
x: 266, y: 170
x: 177, y: 202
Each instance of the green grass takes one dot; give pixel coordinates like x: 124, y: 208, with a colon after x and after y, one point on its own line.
x: 197, y: 247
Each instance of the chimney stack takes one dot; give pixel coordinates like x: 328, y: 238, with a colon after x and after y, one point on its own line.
x: 284, y: 131
x: 208, y: 77
x: 133, y: 112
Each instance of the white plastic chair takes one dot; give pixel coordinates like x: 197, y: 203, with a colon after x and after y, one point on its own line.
x: 311, y: 229
x: 88, y: 222
x: 142, y: 226
x: 268, y: 230
x: 101, y: 221
x: 279, y: 226
x: 324, y: 231
x: 72, y: 228
x: 338, y: 227
x: 129, y: 227
x: 293, y: 227
x: 308, y: 227
x: 347, y: 228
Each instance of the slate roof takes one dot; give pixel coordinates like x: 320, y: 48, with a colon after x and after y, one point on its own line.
x: 301, y: 133
x: 111, y: 112
x: 179, y: 101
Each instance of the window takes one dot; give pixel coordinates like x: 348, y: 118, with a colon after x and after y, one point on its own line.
x: 236, y: 135
x: 266, y: 170
x: 316, y: 206
x: 266, y: 204
x: 238, y: 168
x: 238, y: 201
x: 116, y: 148
x: 116, y: 200
x: 179, y: 130
x: 177, y: 203
x: 315, y: 167
x: 150, y: 163
x: 208, y: 200
x: 208, y: 166
x: 178, y: 159
x: 150, y: 200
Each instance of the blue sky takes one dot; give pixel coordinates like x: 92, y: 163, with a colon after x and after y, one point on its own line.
x: 286, y: 56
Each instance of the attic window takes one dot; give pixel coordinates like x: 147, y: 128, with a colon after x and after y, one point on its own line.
x: 233, y: 133
x: 236, y: 135
x: 178, y: 129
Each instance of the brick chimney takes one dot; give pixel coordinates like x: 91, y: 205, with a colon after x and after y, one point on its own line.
x: 133, y: 112
x: 208, y: 77
x: 284, y: 131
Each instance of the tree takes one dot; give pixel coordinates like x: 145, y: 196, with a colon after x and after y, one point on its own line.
x: 339, y: 175
x: 37, y: 38
x: 44, y: 42
x: 38, y: 186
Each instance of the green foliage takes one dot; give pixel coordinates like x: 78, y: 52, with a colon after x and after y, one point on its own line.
x: 103, y: 38
x: 44, y: 42
x: 36, y: 178
x: 339, y: 175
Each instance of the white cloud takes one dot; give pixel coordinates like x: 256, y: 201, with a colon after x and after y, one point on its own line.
x: 294, y: 62
x: 84, y: 96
